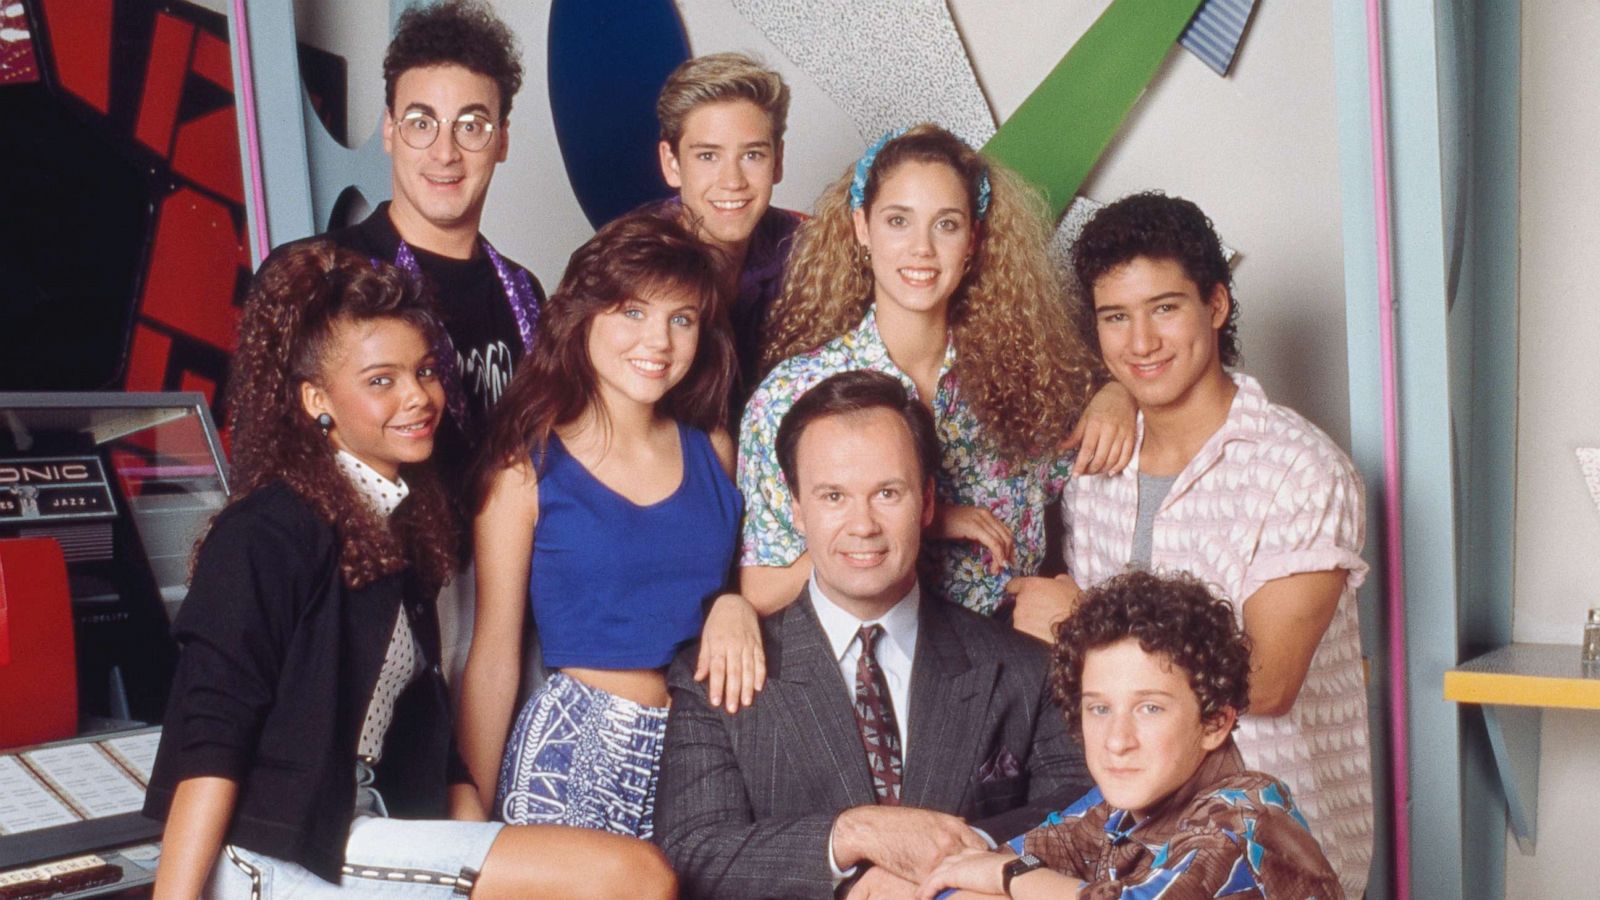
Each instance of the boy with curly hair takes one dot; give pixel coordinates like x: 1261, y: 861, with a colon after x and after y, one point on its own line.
x: 1152, y: 674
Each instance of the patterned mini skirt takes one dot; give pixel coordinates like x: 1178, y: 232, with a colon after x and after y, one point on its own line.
x: 579, y: 756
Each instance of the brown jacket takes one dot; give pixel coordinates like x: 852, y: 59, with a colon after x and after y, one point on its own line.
x: 1226, y: 827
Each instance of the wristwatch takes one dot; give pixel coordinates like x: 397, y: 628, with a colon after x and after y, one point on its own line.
x: 1022, y: 865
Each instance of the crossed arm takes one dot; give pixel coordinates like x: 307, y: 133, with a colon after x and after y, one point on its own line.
x: 720, y: 848
x: 710, y: 829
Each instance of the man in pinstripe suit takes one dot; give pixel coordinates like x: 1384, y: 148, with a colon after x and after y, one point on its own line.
x: 890, y: 721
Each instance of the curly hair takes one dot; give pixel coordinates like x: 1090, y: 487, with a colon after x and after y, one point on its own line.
x: 632, y: 256
x: 1174, y: 616
x: 463, y: 33
x: 720, y: 78
x: 286, y: 333
x: 1154, y: 225
x: 1022, y: 365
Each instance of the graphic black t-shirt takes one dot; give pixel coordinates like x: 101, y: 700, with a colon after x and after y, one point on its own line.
x: 477, y: 314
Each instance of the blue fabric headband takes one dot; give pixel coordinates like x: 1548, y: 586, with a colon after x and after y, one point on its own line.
x: 858, y: 184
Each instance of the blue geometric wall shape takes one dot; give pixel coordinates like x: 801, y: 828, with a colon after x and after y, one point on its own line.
x: 607, y: 62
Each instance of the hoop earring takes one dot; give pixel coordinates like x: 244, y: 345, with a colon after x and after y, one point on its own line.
x: 325, y: 422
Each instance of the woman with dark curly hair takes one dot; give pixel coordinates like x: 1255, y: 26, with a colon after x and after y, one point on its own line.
x: 307, y: 742
x: 1152, y: 673
x: 929, y: 263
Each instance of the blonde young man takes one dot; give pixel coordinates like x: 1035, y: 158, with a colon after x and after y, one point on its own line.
x: 722, y: 122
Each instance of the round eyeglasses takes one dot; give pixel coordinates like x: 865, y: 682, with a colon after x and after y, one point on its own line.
x: 471, y: 131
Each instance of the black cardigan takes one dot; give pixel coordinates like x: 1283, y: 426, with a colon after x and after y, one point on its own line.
x: 278, y: 663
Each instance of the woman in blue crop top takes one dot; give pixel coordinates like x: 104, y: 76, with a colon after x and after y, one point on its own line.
x: 605, y: 498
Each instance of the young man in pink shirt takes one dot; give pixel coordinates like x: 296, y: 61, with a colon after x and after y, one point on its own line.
x: 1240, y: 492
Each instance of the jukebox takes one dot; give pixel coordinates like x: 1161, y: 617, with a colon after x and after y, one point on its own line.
x: 103, y: 497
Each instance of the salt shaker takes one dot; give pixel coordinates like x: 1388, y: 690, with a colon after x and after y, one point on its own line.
x: 1591, y: 643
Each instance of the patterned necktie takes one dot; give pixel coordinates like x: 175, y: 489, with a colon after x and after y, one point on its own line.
x: 880, y: 735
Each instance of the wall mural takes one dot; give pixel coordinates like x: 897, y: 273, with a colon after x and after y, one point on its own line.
x: 343, y: 181
x: 876, y: 66
x: 1216, y: 32
x: 136, y: 151
x: 606, y: 66
x: 887, y: 64
x: 606, y: 60
x: 124, y: 248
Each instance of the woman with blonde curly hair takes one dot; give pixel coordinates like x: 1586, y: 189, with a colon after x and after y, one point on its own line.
x: 307, y: 745
x: 930, y: 263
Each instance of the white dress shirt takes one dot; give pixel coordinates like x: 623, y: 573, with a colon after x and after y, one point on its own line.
x: 895, y: 649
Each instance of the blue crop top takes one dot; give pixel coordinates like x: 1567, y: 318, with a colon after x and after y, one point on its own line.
x: 616, y: 585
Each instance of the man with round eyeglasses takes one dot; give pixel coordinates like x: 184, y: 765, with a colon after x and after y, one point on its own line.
x: 450, y: 74
x: 453, y: 67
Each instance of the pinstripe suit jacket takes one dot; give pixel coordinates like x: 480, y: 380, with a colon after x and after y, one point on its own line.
x: 746, y: 802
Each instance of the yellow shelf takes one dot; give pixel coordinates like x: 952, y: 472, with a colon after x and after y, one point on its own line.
x: 1543, y: 675
x: 1512, y: 687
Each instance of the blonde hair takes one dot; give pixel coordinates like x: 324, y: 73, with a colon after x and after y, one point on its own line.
x: 720, y: 78
x: 1022, y: 365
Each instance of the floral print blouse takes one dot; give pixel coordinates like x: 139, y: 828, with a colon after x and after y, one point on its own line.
x: 972, y: 473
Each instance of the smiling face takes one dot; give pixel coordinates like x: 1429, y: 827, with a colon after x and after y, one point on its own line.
x: 1158, y: 336
x: 861, y: 502
x: 724, y: 168
x: 378, y: 383
x: 440, y: 190
x: 1142, y: 732
x: 642, y: 348
x: 919, y: 230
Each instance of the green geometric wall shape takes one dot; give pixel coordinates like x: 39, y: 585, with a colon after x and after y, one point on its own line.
x: 1057, y: 135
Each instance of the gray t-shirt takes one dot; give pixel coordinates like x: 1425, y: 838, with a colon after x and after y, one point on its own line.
x: 1152, y: 490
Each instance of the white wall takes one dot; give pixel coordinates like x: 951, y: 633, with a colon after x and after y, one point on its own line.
x: 1558, y: 528
x: 1256, y: 150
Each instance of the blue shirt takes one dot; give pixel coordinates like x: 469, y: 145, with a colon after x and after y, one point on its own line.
x: 617, y: 585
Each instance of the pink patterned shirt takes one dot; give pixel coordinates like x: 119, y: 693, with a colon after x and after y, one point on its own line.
x: 1268, y: 496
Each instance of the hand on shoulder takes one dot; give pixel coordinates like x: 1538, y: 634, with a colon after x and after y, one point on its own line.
x: 731, y: 660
